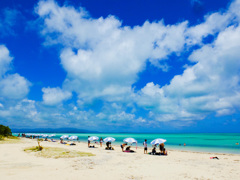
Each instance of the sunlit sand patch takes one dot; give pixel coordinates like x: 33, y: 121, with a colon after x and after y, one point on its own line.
x: 54, y: 152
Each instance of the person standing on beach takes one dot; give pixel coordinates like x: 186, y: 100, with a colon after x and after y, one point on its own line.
x: 101, y: 141
x: 88, y: 141
x: 145, y: 146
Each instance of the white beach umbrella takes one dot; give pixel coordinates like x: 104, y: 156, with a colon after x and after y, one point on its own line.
x: 93, y: 138
x: 64, y: 137
x: 109, y: 139
x: 73, y: 138
x: 130, y: 140
x: 45, y: 135
x: 158, y: 141
x: 51, y: 135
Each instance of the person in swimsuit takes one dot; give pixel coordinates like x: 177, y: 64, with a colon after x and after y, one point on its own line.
x: 145, y: 146
x: 101, y: 141
x: 122, y: 146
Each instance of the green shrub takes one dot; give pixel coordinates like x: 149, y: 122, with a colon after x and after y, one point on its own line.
x: 1, y: 137
x: 5, y: 131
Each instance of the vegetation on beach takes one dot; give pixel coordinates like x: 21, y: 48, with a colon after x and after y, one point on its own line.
x: 9, y: 140
x: 5, y: 131
x: 54, y: 152
x: 6, y: 135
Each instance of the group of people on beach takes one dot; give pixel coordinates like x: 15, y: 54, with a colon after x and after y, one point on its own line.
x: 162, y: 149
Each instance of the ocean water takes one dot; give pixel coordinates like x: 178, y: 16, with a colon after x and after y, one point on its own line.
x: 200, y: 142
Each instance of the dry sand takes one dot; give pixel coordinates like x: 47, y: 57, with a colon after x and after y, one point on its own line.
x: 17, y: 164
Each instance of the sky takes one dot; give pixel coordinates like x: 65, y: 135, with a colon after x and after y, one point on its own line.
x: 120, y: 66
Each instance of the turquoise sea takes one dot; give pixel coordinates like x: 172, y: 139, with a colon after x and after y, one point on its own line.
x: 201, y: 142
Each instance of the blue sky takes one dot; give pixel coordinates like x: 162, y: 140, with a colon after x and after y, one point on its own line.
x: 120, y: 66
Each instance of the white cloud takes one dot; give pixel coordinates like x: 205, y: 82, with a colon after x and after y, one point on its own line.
x: 24, y: 109
x: 54, y: 96
x: 103, y: 58
x: 14, y: 87
x: 5, y: 60
x: 211, y: 85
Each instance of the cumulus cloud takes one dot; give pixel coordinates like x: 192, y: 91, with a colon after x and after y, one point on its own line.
x: 54, y: 96
x: 211, y: 85
x: 12, y: 86
x: 103, y: 58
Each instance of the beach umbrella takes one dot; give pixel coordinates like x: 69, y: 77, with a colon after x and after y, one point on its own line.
x: 45, y: 135
x: 64, y: 137
x: 158, y: 141
x: 130, y: 140
x: 93, y: 138
x: 109, y: 139
x: 51, y: 135
x: 73, y: 138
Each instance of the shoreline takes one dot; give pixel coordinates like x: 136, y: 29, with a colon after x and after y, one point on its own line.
x: 214, y: 143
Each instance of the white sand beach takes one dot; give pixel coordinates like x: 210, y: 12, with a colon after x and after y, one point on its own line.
x: 17, y: 164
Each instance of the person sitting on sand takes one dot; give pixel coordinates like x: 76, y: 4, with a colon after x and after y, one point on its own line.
x: 122, y: 146
x: 154, y: 150
x: 161, y: 147
x: 107, y: 144
x: 109, y: 147
x: 62, y: 142
x: 164, y: 151
x: 128, y: 149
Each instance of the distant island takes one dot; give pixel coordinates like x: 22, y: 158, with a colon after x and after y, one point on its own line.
x: 52, y: 130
